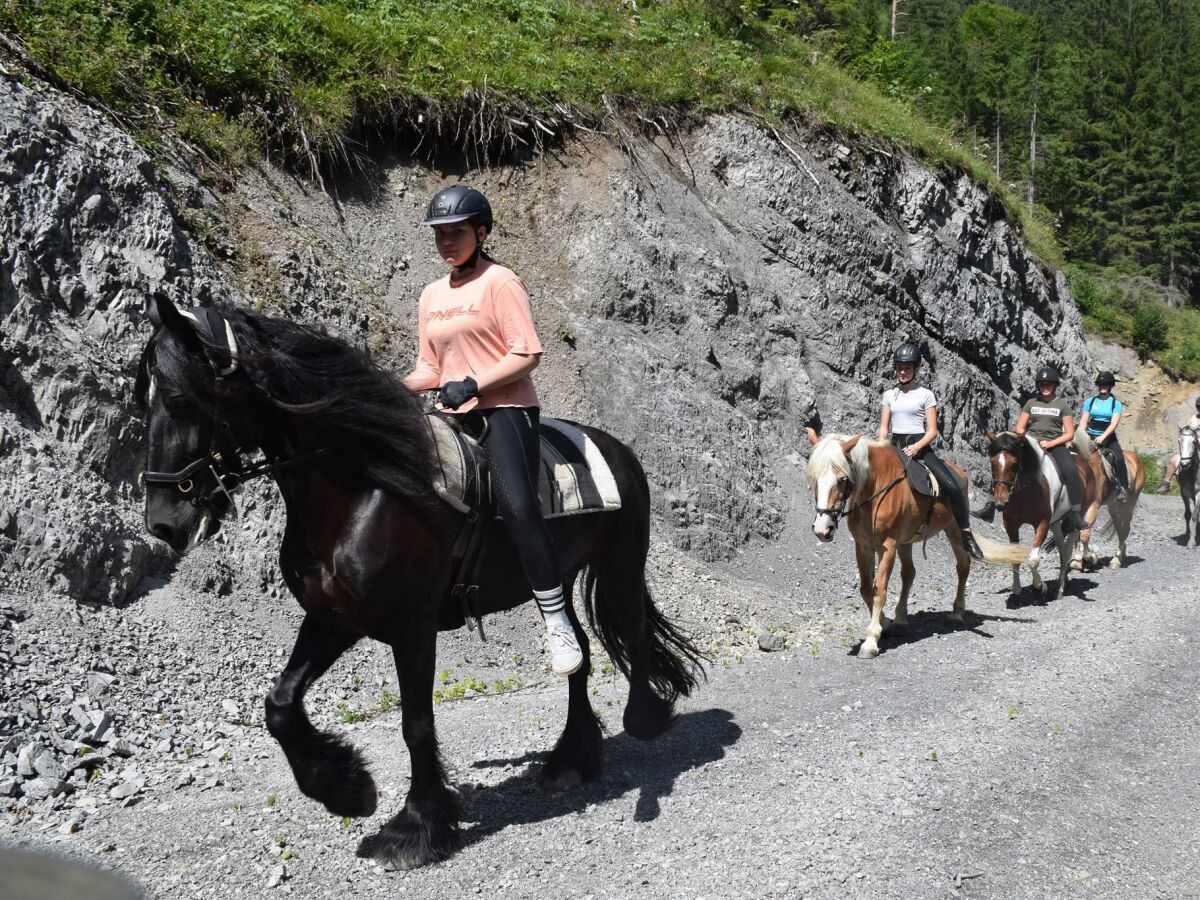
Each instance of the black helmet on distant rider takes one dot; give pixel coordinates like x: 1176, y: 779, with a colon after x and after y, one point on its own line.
x: 907, y: 353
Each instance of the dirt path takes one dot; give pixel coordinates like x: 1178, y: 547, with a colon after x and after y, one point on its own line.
x: 1045, y: 750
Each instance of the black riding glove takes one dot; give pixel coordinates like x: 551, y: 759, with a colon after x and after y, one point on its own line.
x: 456, y: 393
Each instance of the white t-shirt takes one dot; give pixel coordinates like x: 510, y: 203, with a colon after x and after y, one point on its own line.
x: 908, y: 408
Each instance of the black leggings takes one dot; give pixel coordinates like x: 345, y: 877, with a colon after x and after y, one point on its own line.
x: 1117, y: 455
x: 511, y: 440
x: 945, y: 478
x: 1065, y: 463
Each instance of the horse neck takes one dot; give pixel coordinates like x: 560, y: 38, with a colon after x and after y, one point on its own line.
x: 882, y: 466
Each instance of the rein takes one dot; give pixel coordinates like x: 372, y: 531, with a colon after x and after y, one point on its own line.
x: 225, y: 478
x: 838, y: 510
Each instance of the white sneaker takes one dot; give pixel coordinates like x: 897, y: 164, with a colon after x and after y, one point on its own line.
x: 565, y: 655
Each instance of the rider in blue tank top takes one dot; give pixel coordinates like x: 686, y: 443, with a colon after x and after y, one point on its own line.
x: 1101, y: 415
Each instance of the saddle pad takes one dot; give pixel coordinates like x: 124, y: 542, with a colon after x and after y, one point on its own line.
x: 573, y: 477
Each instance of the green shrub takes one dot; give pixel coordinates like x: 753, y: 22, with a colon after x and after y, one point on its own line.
x: 1154, y: 473
x: 1150, y: 329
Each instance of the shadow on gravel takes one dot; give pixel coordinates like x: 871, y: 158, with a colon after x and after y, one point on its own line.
x: 1078, y: 587
x: 928, y: 623
x: 696, y: 739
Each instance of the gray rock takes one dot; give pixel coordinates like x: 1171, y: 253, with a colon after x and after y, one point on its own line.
x: 124, y: 790
x: 9, y: 786
x: 99, y: 682
x: 278, y: 874
x: 769, y: 642
x: 41, y: 788
x: 47, y: 765
x: 25, y: 757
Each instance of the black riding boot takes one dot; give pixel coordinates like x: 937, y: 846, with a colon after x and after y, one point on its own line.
x: 987, y: 512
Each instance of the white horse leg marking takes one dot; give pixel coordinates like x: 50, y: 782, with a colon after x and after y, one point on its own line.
x: 1035, y: 559
x: 1016, y: 585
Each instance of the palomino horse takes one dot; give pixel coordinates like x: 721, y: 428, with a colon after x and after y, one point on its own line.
x: 1120, y: 512
x: 1188, y: 473
x: 367, y: 549
x: 863, y: 481
x: 1029, y: 493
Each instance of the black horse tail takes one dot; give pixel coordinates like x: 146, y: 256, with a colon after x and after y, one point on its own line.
x: 675, y: 665
x: 640, y: 640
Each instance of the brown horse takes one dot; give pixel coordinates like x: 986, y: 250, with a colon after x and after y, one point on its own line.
x: 1029, y: 493
x: 1120, y: 512
x: 886, y: 517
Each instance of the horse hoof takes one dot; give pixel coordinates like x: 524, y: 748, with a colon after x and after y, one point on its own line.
x: 1076, y: 566
x: 1114, y: 563
x: 958, y: 616
x: 415, y: 838
x: 898, y: 625
x: 868, y: 652
x: 647, y: 715
x: 561, y: 781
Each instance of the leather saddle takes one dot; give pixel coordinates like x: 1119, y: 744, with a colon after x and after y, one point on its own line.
x: 920, y: 479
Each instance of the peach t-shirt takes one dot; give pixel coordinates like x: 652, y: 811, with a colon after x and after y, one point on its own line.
x: 468, y: 328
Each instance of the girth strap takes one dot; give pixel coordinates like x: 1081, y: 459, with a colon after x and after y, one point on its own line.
x: 466, y: 555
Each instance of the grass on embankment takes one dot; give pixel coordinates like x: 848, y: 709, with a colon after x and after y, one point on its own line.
x: 308, y: 79
x: 1133, y: 312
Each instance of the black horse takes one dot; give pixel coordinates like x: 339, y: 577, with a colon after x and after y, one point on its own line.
x: 367, y: 548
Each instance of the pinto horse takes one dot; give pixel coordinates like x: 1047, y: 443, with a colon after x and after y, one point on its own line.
x: 1120, y: 512
x: 1188, y: 473
x: 885, y: 518
x: 1028, y: 493
x: 367, y: 549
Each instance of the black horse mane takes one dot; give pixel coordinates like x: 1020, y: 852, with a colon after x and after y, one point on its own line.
x: 330, y: 394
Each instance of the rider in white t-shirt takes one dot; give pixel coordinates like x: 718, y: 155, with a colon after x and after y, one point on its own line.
x: 910, y: 414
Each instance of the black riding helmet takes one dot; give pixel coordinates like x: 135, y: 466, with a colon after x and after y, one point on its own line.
x: 1047, y: 373
x: 458, y: 203
x: 907, y: 353
x: 1106, y: 378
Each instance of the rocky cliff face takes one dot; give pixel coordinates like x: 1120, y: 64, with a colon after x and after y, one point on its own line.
x: 699, y: 294
x: 86, y: 231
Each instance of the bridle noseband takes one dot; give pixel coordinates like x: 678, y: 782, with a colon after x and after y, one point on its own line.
x: 838, y: 510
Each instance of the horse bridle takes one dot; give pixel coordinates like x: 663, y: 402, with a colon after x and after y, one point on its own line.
x: 1190, y: 460
x: 225, y: 476
x: 226, y: 471
x: 839, y: 511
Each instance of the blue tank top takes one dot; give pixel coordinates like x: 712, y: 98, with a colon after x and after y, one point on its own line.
x: 1100, y: 413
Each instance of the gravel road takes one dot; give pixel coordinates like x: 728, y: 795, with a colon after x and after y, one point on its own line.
x: 1046, y: 749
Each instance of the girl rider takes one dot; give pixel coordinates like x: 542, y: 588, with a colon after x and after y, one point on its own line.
x: 1193, y: 422
x: 1049, y: 421
x: 478, y: 344
x: 911, y: 414
x: 1101, y: 416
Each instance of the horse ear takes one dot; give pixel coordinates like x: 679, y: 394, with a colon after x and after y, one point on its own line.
x: 162, y: 311
x: 165, y: 314
x: 813, y: 437
x: 847, y: 446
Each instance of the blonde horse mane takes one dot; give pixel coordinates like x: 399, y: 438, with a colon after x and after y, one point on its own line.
x: 828, y: 454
